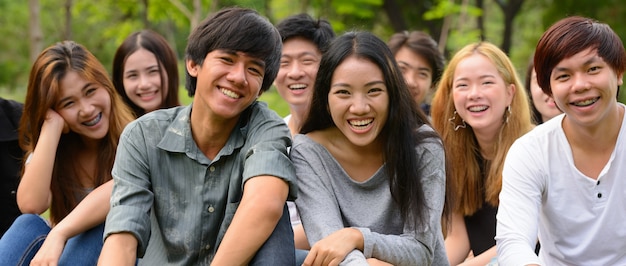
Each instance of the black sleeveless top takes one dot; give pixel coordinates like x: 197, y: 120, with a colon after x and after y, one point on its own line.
x: 481, y: 226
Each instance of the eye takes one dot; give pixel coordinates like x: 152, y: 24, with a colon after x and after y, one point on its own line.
x: 258, y: 71
x: 375, y: 91
x: 341, y: 92
x: 226, y: 59
x: 561, y: 77
x: 308, y: 61
x: 90, y: 91
x: 131, y: 76
x: 594, y: 69
x: 460, y: 85
x: 66, y: 104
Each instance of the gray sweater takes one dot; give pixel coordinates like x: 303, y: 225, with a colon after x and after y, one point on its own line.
x: 329, y: 200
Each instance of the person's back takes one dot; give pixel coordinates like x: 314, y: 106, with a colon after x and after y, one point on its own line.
x: 10, y: 161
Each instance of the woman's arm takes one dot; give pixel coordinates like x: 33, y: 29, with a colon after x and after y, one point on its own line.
x: 33, y: 192
x: 457, y: 241
x: 90, y: 212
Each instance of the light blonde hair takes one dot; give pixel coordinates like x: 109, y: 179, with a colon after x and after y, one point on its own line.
x: 470, y: 187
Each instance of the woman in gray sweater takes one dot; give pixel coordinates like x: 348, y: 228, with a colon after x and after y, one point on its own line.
x: 371, y: 170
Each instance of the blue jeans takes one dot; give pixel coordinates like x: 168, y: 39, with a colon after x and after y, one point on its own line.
x: 279, y: 248
x: 21, y: 242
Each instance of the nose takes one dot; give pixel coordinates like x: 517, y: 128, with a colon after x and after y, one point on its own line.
x: 86, y: 108
x: 410, y: 80
x: 360, y: 105
x: 474, y: 92
x: 237, y: 75
x: 580, y: 83
x: 143, y: 82
x: 295, y: 71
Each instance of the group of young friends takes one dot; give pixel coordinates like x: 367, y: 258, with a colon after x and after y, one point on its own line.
x: 387, y: 156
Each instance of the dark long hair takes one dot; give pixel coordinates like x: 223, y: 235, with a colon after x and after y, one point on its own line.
x: 43, y: 93
x: 400, y: 134
x: 157, y: 45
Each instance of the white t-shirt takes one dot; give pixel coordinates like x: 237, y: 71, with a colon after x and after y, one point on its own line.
x: 578, y: 220
x: 293, y: 210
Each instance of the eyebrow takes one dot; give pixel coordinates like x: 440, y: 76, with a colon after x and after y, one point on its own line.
x: 254, y: 60
x: 587, y: 62
x: 371, y: 83
x: 479, y: 77
x: 299, y: 54
x: 411, y: 66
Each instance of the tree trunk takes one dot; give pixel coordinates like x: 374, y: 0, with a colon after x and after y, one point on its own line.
x: 510, y: 9
x: 480, y: 20
x: 144, y: 15
x: 394, y: 13
x: 34, y: 30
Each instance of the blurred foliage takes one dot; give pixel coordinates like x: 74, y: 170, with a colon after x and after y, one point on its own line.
x: 102, y: 25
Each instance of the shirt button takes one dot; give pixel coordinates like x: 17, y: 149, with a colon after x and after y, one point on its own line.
x: 598, y: 182
x: 212, y: 168
x: 599, y: 195
x: 207, y: 247
x: 211, y: 209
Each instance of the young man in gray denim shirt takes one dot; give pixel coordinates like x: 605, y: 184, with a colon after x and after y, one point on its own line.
x: 207, y: 183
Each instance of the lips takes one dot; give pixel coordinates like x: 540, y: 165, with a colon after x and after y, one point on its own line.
x: 147, y: 95
x: 585, y: 102
x: 94, y: 121
x: 230, y: 94
x: 360, y: 123
x: 298, y: 86
x: 478, y: 108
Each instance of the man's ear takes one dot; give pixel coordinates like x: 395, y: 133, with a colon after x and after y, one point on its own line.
x: 192, y: 67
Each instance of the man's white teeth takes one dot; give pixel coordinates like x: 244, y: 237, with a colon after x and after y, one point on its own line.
x: 478, y: 108
x: 230, y: 93
x: 297, y: 86
x: 361, y: 123
x: 585, y: 102
x: 93, y: 121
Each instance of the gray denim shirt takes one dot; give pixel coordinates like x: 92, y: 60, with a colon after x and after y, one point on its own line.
x: 176, y: 201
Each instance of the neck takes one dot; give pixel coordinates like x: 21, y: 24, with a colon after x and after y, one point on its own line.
x: 486, y: 143
x: 298, y: 115
x: 210, y: 134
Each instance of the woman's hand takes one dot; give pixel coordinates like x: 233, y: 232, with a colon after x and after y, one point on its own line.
x: 334, y: 248
x: 55, y: 120
x: 50, y: 250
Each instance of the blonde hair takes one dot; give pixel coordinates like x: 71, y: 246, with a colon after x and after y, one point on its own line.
x: 462, y: 149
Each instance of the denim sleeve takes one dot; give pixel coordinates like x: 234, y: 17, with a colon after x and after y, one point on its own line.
x: 268, y: 138
x: 131, y: 199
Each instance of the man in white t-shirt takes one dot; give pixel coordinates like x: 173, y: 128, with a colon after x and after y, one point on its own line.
x: 564, y: 183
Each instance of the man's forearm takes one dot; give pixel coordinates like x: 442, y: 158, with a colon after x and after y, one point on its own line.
x: 119, y: 249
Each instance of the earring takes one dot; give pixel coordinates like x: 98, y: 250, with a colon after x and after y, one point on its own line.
x: 453, y: 122
x: 507, y: 114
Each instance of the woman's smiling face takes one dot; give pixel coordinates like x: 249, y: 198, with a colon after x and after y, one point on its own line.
x: 480, y: 94
x: 358, y: 100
